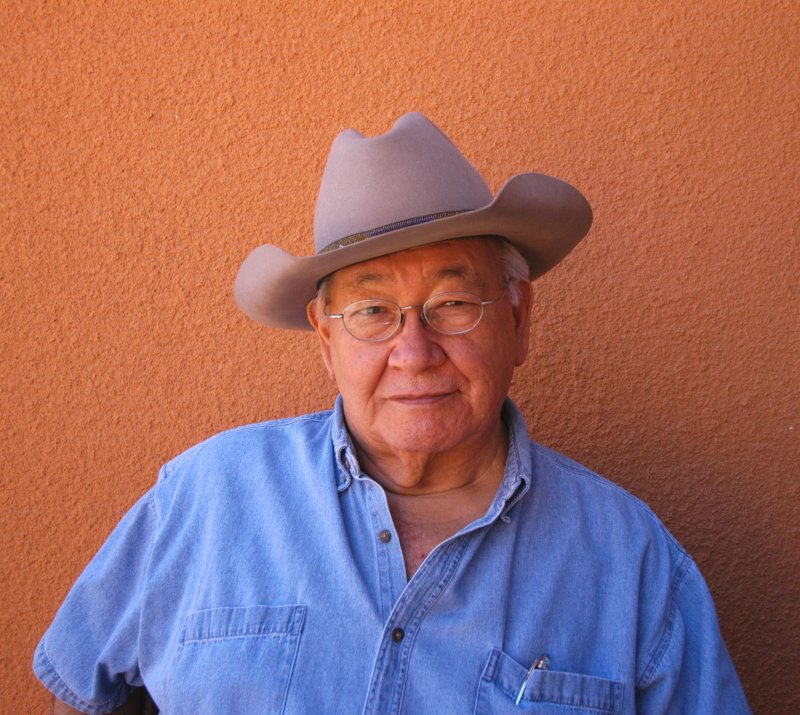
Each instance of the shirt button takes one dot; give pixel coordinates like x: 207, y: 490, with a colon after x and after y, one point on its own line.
x: 385, y: 536
x: 398, y: 634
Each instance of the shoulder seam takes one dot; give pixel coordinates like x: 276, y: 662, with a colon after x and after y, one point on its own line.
x: 578, y: 470
x: 268, y: 424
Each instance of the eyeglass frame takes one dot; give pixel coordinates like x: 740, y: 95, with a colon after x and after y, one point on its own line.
x: 423, y: 318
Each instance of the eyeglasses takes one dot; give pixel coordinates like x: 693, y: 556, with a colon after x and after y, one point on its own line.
x: 374, y: 319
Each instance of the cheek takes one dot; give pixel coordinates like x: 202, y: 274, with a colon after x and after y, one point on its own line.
x: 356, y: 372
x: 489, y: 367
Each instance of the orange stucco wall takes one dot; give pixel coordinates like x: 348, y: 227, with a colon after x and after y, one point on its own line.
x: 145, y: 148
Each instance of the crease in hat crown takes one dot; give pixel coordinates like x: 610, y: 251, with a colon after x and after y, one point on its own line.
x: 406, y: 188
x: 410, y: 172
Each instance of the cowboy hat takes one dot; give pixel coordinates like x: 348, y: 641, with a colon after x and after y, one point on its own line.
x: 407, y: 188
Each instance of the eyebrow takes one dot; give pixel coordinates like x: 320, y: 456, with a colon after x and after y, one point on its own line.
x: 367, y: 279
x: 363, y: 279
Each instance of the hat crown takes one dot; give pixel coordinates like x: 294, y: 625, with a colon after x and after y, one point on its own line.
x: 413, y: 170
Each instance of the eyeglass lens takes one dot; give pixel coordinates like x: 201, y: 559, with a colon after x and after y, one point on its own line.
x: 449, y: 313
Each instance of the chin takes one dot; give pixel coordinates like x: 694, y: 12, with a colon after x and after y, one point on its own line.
x: 428, y: 436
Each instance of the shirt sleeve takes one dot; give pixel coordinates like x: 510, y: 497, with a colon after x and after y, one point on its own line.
x: 89, y: 657
x: 690, y: 671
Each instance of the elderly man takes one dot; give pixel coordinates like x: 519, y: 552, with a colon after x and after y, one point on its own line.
x: 410, y: 551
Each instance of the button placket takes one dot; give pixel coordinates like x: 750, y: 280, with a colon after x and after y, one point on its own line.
x: 391, y: 569
x: 392, y: 662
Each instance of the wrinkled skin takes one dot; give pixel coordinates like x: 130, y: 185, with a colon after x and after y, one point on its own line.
x: 422, y: 407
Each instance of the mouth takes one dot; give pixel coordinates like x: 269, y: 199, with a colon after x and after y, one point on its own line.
x: 420, y: 398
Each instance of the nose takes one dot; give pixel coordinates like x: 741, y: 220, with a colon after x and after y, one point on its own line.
x: 414, y: 345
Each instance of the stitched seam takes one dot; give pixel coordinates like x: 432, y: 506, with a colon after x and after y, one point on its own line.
x: 198, y: 449
x: 55, y: 678
x: 425, y: 607
x: 585, y: 473
x: 663, y: 644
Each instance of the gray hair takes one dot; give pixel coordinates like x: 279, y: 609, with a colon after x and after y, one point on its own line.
x: 515, y: 270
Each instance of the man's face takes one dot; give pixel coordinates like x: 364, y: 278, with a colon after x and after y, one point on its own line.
x: 421, y: 391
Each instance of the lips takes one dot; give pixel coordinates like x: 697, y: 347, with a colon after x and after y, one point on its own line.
x: 421, y: 398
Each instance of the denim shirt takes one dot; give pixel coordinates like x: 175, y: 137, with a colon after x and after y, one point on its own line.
x: 263, y: 574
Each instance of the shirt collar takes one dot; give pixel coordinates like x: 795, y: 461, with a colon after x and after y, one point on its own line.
x: 343, y: 448
x: 519, y: 465
x: 516, y: 480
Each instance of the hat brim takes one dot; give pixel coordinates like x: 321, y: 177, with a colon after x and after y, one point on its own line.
x: 543, y: 217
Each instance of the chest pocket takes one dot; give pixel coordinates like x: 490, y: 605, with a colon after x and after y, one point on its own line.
x: 548, y: 692
x: 235, y: 660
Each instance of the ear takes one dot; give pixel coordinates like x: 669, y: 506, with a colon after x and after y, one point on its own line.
x: 522, y: 321
x: 322, y: 327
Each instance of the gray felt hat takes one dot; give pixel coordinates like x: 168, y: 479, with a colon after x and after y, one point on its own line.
x: 407, y: 188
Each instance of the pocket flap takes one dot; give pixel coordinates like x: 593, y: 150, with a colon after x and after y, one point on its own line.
x: 243, y: 621
x: 553, y: 686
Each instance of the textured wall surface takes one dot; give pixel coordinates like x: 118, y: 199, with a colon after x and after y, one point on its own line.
x: 145, y: 148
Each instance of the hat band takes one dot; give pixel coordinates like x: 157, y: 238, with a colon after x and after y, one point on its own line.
x: 405, y: 223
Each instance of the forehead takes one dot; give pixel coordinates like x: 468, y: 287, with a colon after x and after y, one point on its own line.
x: 474, y: 261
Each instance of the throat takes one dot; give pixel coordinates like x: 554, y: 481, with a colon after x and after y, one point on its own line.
x: 425, y: 521
x: 418, y: 540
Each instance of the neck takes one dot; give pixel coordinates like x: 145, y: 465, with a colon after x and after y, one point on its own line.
x: 479, y: 463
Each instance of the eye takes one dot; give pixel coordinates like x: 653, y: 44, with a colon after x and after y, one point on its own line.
x: 370, y: 311
x: 456, y: 301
